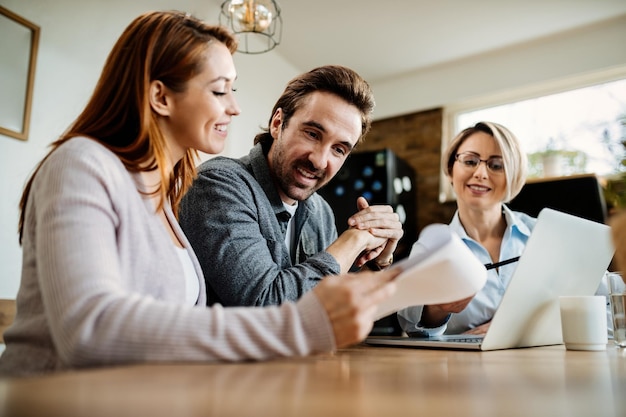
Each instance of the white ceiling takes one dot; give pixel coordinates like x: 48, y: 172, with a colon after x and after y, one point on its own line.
x: 382, y: 39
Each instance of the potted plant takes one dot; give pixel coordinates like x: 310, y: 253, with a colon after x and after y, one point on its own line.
x: 555, y: 161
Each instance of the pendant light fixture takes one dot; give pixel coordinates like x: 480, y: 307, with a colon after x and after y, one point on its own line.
x: 257, y: 24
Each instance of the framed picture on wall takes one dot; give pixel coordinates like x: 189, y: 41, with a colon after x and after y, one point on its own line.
x: 19, y: 41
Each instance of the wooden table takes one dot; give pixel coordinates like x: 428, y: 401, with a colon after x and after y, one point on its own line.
x: 362, y: 381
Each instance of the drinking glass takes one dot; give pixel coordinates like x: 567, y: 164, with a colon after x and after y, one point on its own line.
x: 617, y: 296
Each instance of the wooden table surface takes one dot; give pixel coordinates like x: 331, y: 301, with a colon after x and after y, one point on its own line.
x: 361, y: 381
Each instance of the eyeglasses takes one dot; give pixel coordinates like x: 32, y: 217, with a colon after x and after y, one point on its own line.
x: 471, y: 161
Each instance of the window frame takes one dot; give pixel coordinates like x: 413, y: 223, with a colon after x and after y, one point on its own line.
x: 451, y: 112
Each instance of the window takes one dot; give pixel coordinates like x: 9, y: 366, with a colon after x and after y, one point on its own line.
x: 581, y: 130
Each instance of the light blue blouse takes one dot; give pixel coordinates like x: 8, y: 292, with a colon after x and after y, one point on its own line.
x: 482, y: 308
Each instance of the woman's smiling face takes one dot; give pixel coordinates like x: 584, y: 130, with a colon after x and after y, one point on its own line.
x: 479, y: 187
x: 199, y: 116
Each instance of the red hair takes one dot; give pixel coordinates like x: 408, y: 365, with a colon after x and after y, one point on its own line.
x: 165, y: 46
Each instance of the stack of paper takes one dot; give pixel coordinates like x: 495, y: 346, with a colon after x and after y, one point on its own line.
x: 441, y: 269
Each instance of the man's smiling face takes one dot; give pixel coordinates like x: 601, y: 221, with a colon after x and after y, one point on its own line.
x: 311, y: 148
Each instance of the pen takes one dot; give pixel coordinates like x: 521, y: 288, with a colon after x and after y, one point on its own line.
x: 498, y: 264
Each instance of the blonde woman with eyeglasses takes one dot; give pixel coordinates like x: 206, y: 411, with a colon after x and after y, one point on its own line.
x: 487, y: 168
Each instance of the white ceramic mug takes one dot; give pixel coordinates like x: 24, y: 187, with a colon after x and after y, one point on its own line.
x: 583, y: 322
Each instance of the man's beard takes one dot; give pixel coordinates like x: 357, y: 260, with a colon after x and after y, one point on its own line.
x: 289, y: 184
x: 284, y: 176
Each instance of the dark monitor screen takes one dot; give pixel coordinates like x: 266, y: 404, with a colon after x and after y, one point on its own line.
x: 578, y: 195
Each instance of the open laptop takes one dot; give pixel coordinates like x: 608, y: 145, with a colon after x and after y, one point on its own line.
x: 565, y: 255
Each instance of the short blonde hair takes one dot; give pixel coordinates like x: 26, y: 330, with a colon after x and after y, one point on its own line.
x: 513, y: 157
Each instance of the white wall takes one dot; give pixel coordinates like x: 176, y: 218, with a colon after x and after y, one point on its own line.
x: 579, y: 52
x: 76, y: 36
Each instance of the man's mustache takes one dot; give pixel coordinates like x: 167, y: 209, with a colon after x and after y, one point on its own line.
x: 308, y: 166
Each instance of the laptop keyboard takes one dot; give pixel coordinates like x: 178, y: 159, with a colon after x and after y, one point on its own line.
x: 464, y: 339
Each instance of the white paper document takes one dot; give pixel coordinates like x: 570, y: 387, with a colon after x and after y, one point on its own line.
x: 441, y: 269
